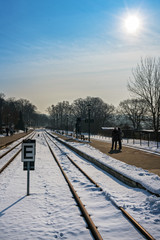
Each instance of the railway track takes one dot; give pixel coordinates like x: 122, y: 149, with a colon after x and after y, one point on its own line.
x: 84, y: 186
x: 6, y: 158
x: 117, y: 174
x: 4, y: 145
x: 96, y: 234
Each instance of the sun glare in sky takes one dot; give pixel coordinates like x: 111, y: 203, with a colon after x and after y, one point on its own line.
x: 58, y: 47
x: 132, y: 24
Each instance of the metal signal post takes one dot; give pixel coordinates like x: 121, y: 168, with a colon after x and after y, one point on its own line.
x: 28, y: 158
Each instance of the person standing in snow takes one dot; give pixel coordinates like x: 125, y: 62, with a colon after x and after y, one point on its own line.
x: 120, y: 139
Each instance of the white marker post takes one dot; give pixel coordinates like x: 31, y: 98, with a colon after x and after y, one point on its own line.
x: 28, y: 158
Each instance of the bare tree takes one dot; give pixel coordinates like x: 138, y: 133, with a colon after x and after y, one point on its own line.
x: 64, y: 116
x: 60, y: 115
x: 146, y: 85
x: 10, y: 112
x: 134, y: 110
x: 28, y: 110
x: 100, y: 112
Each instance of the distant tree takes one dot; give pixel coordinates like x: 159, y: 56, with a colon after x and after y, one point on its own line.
x: 1, y: 109
x: 12, y: 113
x: 20, y: 124
x: 134, y: 110
x: 52, y: 115
x: 146, y: 85
x: 60, y: 115
x: 100, y: 112
x: 28, y: 110
x: 20, y: 113
x: 80, y: 107
x: 43, y: 120
x: 62, y: 110
x: 80, y: 112
x: 40, y: 120
x: 64, y: 116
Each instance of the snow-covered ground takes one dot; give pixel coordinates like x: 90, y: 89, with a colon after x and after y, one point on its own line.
x: 149, y: 180
x: 50, y: 212
x: 4, y: 134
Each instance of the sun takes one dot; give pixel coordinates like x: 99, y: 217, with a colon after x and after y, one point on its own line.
x: 132, y: 24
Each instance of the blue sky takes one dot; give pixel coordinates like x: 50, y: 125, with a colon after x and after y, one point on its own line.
x: 55, y: 50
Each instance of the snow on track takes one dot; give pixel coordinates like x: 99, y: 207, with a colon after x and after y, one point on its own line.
x: 143, y: 206
x: 49, y: 212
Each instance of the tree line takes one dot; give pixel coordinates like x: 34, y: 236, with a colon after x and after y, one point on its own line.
x: 65, y: 116
x: 19, y: 115
x: 141, y: 111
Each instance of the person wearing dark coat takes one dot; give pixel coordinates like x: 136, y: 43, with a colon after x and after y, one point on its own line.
x: 115, y: 137
x: 120, y: 139
x: 7, y: 131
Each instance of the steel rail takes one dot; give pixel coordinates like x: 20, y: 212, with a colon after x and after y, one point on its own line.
x: 13, y: 147
x: 6, y: 165
x: 7, y: 144
x: 137, y: 225
x: 84, y: 212
x: 125, y: 179
x: 127, y: 215
x: 4, y: 146
x: 81, y: 170
x: 15, y: 155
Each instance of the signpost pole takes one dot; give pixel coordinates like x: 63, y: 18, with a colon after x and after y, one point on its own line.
x: 28, y: 158
x: 28, y: 175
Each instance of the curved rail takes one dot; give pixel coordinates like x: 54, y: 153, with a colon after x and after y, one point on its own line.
x: 129, y: 217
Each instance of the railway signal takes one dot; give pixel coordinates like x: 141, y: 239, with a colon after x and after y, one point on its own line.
x: 28, y: 158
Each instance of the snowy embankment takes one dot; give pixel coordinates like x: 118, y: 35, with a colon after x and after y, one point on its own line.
x: 148, y: 180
